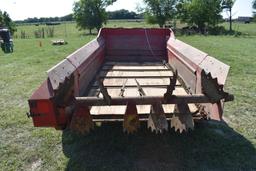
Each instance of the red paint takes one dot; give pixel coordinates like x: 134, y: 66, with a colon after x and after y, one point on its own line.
x: 120, y: 43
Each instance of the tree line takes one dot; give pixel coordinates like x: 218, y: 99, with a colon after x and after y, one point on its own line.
x: 115, y: 15
x: 124, y: 14
x: 68, y: 17
x: 92, y: 14
x: 200, y: 14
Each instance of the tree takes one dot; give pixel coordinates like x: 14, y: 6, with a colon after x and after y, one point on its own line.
x: 68, y: 17
x: 228, y: 4
x: 159, y: 11
x: 122, y: 14
x: 254, y: 6
x: 6, y: 21
x: 90, y: 14
x: 201, y: 13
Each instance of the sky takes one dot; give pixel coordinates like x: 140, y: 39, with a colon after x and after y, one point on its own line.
x: 22, y: 9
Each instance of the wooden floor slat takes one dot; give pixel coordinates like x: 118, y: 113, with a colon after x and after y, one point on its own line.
x: 148, y: 74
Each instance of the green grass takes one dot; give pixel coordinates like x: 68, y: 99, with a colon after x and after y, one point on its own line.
x: 208, y: 147
x: 247, y: 29
x: 69, y: 29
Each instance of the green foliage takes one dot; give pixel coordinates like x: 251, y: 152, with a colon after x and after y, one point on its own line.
x: 90, y: 14
x: 254, y: 10
x: 228, y: 4
x: 43, y: 20
x: 201, y: 13
x: 158, y: 12
x: 122, y: 14
x: 6, y: 21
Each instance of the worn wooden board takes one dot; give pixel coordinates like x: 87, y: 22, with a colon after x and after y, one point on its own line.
x: 133, y: 91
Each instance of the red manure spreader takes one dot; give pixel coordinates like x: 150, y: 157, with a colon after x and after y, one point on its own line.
x: 130, y: 76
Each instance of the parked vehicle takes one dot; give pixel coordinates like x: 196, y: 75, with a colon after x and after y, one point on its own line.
x: 6, y: 42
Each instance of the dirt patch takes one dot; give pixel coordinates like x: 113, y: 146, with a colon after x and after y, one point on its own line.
x: 36, y: 164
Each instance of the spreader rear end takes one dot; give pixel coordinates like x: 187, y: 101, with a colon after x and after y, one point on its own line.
x: 130, y: 76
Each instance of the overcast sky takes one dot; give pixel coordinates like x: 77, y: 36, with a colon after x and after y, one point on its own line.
x: 22, y: 9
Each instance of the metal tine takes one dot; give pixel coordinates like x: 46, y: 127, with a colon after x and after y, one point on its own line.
x: 157, y: 120
x: 123, y: 88
x: 82, y: 121
x: 131, y: 121
x: 141, y: 91
x: 182, y: 121
x: 104, y: 91
x: 171, y: 86
x: 131, y: 118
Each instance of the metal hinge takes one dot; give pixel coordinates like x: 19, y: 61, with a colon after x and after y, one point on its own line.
x: 34, y: 114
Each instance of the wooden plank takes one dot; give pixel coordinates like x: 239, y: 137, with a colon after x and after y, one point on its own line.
x: 154, y: 74
x: 134, y: 86
x: 131, y: 82
x: 106, y: 109
x: 130, y: 63
x: 134, y: 77
x: 139, y: 58
x: 141, y: 67
x: 134, y: 70
x: 131, y: 86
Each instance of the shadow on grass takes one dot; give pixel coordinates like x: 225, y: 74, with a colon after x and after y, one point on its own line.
x: 209, y: 146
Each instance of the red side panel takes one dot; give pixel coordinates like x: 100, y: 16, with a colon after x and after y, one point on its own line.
x: 41, y: 106
x: 42, y: 112
x: 190, y: 62
x: 45, y: 108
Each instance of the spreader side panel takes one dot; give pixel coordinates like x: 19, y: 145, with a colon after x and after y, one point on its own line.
x: 79, y: 64
x: 69, y: 78
x: 201, y: 74
x: 196, y: 60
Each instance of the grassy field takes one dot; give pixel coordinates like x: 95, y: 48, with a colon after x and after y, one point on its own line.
x: 208, y: 147
x: 69, y: 29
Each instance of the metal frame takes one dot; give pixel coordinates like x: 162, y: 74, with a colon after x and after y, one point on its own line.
x: 60, y: 98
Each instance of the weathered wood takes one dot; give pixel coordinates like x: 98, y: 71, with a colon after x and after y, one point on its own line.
x: 133, y: 77
x: 134, y: 86
x: 134, y: 70
x: 152, y: 87
x: 136, y: 73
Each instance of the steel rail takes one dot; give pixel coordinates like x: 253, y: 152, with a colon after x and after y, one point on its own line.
x: 142, y: 100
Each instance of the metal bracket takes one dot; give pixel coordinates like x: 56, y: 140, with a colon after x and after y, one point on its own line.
x: 104, y: 92
x: 123, y: 89
x: 141, y: 91
x: 30, y: 114
x: 171, y: 86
